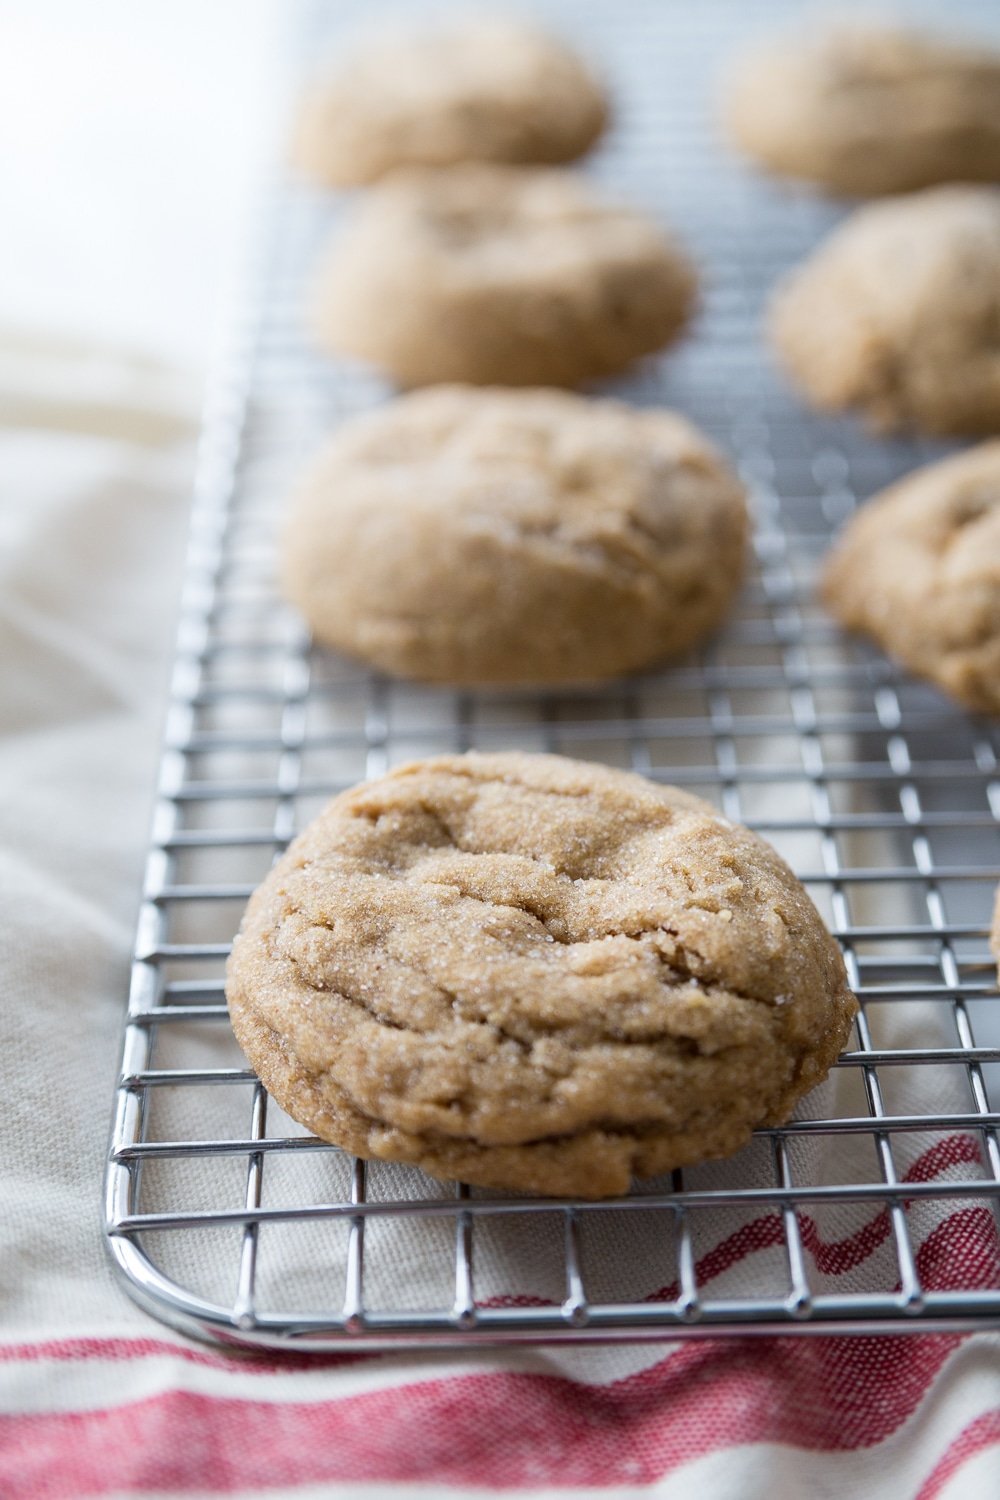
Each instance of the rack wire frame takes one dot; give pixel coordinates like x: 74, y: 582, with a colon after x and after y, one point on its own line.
x: 885, y: 798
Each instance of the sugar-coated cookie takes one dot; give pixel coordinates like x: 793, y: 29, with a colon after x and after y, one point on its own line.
x: 533, y: 973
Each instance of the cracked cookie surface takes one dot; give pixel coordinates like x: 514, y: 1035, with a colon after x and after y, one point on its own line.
x: 869, y: 110
x: 534, y: 973
x: 918, y: 568
x: 483, y: 89
x: 898, y: 314
x: 468, y: 536
x: 499, y: 276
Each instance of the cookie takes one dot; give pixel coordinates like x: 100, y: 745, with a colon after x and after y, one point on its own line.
x: 898, y: 314
x: 474, y: 536
x: 499, y: 276
x: 870, y: 110
x: 476, y: 90
x: 995, y: 932
x: 918, y: 569
x: 533, y: 973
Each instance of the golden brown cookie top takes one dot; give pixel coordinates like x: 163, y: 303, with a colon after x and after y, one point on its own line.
x: 869, y: 109
x: 496, y: 225
x: 897, y: 313
x: 477, y: 89
x: 486, y: 535
x: 499, y: 275
x: 511, y: 948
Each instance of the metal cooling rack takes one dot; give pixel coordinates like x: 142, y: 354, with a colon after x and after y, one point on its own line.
x: 227, y: 1219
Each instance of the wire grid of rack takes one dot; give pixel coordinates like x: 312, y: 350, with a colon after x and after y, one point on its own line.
x: 228, y: 1219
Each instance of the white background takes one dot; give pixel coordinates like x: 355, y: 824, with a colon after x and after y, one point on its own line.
x: 131, y: 132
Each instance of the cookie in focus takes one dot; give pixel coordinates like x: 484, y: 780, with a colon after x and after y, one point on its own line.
x: 533, y: 973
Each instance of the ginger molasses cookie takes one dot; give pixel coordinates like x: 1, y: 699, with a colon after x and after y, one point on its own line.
x: 532, y: 973
x: 869, y: 110
x: 918, y: 568
x: 898, y: 314
x: 476, y: 536
x: 499, y: 275
x: 479, y: 89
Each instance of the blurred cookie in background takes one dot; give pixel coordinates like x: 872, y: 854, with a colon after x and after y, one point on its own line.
x: 476, y: 89
x: 918, y: 569
x: 897, y: 314
x: 499, y: 276
x: 865, y: 110
x: 471, y: 536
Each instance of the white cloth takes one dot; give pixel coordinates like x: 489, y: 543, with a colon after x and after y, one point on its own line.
x: 93, y: 526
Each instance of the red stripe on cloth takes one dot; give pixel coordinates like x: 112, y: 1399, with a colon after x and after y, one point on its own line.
x: 971, y: 1258
x: 951, y: 1151
x: 511, y: 1431
x: 764, y: 1233
x: 504, y: 1430
x: 832, y: 1257
x: 115, y: 1349
x: 984, y: 1432
x: 962, y: 1253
